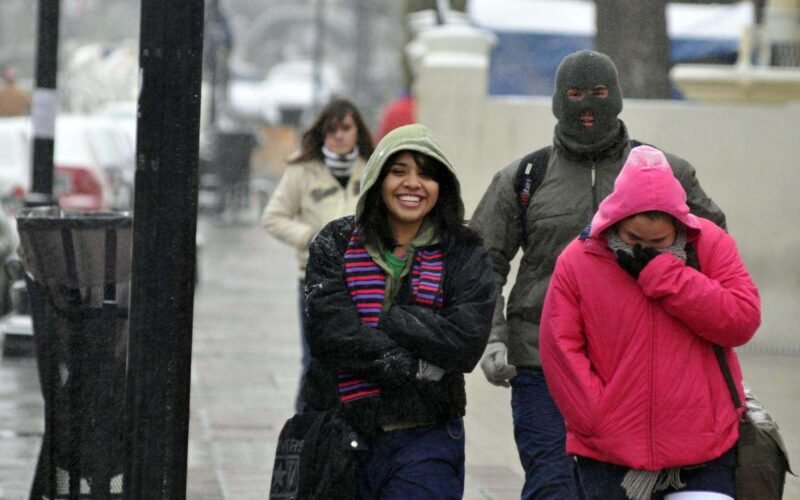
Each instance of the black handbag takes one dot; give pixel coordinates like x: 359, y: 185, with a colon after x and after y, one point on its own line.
x: 316, y: 457
x: 762, y: 461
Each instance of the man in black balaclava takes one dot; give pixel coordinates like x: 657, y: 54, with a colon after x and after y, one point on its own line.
x: 590, y: 145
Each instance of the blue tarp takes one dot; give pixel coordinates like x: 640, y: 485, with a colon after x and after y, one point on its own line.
x: 526, y: 63
x: 533, y: 36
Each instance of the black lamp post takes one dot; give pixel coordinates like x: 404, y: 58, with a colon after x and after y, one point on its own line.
x: 44, y: 102
x: 164, y: 254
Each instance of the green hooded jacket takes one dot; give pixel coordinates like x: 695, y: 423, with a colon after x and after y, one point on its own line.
x: 452, y: 337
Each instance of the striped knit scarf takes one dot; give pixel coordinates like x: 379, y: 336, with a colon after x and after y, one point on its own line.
x: 367, y: 284
x: 341, y: 166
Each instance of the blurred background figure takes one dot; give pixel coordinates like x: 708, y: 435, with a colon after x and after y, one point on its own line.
x: 400, y: 111
x: 14, y: 101
x: 321, y: 183
x: 8, y: 244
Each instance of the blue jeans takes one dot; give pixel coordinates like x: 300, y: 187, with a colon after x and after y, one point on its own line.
x: 541, y: 439
x: 419, y: 463
x: 603, y: 481
x: 299, y: 402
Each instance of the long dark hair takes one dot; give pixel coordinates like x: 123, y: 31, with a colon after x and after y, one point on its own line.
x: 326, y: 121
x: 447, y: 214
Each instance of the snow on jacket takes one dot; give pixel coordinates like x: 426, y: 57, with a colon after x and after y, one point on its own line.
x: 307, y: 197
x: 452, y: 337
x: 563, y: 204
x: 630, y: 363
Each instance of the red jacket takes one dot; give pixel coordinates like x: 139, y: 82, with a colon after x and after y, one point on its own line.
x: 629, y: 362
x: 401, y: 111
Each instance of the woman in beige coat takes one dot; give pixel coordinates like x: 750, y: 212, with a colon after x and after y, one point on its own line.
x: 320, y: 184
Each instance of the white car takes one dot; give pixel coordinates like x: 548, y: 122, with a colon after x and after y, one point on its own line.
x: 93, y: 163
x: 96, y: 160
x: 14, y: 160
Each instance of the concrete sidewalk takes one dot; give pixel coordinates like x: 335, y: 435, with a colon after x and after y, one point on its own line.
x: 245, y: 372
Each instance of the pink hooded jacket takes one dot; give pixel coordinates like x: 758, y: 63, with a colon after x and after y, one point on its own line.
x: 629, y: 362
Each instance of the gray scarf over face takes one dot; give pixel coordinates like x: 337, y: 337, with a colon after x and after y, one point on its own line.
x: 678, y: 247
x: 641, y: 484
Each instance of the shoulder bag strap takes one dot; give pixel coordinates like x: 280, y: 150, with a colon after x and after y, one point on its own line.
x: 692, y: 260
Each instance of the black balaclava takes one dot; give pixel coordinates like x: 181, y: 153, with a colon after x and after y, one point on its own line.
x: 584, y: 70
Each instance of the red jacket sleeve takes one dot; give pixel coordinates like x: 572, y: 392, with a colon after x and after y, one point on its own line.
x: 719, y: 303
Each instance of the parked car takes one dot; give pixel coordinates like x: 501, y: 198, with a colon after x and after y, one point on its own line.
x: 14, y: 161
x: 121, y: 120
x: 93, y: 163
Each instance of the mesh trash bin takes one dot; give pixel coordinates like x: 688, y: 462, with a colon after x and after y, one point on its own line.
x: 231, y: 159
x: 78, y: 277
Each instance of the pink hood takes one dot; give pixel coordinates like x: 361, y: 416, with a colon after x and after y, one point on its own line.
x: 645, y: 183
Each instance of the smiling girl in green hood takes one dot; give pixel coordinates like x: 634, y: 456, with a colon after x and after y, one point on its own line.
x: 399, y: 306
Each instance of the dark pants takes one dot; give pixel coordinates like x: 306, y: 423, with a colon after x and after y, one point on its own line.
x: 420, y: 463
x: 299, y: 402
x: 602, y: 481
x: 541, y: 439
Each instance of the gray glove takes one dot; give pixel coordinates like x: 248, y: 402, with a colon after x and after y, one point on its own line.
x: 495, y: 364
x: 429, y: 371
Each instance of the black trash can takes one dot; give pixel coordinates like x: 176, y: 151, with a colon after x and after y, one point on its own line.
x: 78, y: 276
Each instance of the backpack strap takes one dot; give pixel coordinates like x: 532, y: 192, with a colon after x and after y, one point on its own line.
x: 529, y: 176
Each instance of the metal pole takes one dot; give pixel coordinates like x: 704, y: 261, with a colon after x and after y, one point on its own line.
x: 213, y: 54
x: 163, y: 260
x: 363, y: 52
x: 43, y: 109
x: 442, y: 8
x: 319, y: 40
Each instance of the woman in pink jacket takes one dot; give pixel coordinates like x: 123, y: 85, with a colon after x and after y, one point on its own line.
x: 632, y: 312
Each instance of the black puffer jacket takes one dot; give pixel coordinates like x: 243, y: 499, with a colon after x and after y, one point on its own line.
x: 452, y: 337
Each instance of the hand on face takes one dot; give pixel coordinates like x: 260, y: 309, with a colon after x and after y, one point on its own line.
x: 634, y: 264
x: 647, y: 235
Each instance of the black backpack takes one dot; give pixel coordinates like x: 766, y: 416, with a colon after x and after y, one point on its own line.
x: 529, y: 176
